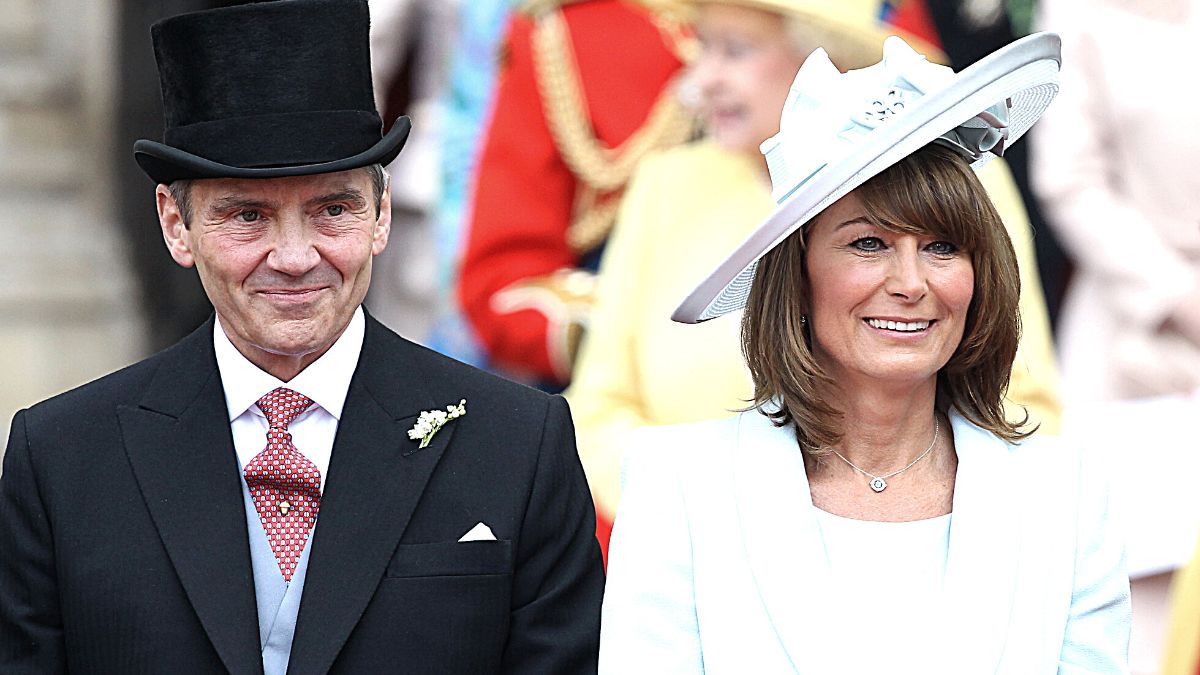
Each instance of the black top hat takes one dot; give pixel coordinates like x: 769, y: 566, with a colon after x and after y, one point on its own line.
x: 266, y: 90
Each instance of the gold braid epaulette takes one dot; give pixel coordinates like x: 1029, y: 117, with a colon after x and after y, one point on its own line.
x: 600, y: 169
x: 537, y: 7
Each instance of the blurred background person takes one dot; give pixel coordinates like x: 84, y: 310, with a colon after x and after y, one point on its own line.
x: 1182, y: 656
x: 584, y: 91
x: 465, y: 105
x: 412, y: 42
x: 1113, y: 164
x: 687, y: 207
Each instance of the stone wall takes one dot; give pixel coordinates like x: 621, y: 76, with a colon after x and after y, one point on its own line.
x: 66, y: 308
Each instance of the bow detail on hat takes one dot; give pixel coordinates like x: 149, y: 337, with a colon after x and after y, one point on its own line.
x: 829, y: 113
x: 985, y: 132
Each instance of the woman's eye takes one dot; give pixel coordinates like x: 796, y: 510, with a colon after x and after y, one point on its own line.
x: 248, y: 216
x: 335, y: 210
x: 734, y: 49
x: 943, y: 248
x: 868, y: 244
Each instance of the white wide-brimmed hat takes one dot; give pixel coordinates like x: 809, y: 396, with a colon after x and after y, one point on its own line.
x: 838, y: 130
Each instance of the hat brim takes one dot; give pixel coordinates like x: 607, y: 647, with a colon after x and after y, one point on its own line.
x: 165, y: 164
x: 1025, y: 72
x: 849, y: 44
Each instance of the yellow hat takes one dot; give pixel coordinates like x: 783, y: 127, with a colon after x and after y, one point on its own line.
x: 849, y: 30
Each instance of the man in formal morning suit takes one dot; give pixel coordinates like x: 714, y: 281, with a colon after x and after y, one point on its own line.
x: 292, y: 488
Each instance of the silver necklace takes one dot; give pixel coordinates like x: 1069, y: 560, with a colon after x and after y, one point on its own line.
x: 879, y: 483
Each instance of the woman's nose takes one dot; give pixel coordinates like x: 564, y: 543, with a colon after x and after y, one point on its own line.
x: 704, y: 77
x: 906, y: 276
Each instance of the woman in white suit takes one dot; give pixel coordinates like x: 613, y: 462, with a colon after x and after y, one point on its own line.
x: 874, y: 511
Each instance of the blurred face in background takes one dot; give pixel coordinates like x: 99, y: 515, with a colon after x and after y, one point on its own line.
x: 746, y: 66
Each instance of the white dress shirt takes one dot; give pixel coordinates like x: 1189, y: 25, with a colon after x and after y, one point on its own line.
x: 326, y: 381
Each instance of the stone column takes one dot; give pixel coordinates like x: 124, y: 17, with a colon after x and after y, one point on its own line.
x: 66, y: 310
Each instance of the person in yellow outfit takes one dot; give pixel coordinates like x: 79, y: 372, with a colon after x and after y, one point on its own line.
x: 687, y: 207
x: 1183, y: 638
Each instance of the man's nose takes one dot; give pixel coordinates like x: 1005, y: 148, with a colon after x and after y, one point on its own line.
x: 293, y: 252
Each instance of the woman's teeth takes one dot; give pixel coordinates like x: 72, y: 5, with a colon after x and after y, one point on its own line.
x: 898, y: 325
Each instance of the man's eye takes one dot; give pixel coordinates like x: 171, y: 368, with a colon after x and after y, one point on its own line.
x: 335, y: 210
x: 248, y: 216
x: 868, y: 244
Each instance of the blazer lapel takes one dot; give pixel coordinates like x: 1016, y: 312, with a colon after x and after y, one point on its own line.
x: 180, y: 447
x: 782, y: 537
x: 981, y: 566
x: 376, y: 478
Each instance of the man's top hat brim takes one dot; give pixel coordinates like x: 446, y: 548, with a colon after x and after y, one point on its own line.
x: 166, y: 164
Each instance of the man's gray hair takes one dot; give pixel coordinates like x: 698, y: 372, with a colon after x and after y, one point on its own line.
x: 181, y: 191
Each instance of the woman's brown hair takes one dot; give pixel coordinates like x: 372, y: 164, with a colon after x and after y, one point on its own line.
x: 934, y: 192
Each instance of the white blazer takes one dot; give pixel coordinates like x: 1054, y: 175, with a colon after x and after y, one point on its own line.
x: 716, y: 563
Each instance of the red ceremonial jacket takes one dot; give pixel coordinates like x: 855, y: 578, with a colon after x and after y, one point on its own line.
x: 526, y: 196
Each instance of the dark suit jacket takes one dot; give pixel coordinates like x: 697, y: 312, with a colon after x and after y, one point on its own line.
x: 124, y: 549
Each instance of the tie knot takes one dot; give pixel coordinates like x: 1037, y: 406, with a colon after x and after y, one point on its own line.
x: 282, y: 406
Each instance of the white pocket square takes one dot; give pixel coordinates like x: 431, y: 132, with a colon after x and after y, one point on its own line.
x: 480, y: 532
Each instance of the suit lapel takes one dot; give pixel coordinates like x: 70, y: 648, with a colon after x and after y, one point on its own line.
x: 782, y: 537
x: 180, y: 447
x: 981, y: 566
x: 376, y: 477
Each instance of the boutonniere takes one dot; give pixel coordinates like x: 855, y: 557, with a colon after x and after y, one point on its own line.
x: 431, y: 421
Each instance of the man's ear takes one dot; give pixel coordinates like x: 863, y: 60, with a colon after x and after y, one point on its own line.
x: 383, y: 224
x: 174, y: 228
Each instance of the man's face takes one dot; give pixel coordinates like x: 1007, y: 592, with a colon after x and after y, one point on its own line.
x: 285, y: 261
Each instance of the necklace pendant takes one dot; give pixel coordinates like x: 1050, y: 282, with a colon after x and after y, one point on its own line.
x: 878, y: 484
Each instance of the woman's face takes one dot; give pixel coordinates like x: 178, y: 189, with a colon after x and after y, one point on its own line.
x: 746, y: 66
x: 885, y: 306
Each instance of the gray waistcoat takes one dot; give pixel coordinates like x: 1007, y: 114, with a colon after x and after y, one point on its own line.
x: 278, y: 601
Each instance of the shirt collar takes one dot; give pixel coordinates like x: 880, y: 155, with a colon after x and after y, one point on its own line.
x: 326, y: 381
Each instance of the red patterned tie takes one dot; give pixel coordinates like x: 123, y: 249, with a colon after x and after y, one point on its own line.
x: 285, y: 485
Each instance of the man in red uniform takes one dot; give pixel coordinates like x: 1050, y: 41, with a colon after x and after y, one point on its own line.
x: 585, y: 90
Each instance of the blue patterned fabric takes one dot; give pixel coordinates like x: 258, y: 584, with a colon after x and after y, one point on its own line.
x: 278, y: 601
x: 468, y: 101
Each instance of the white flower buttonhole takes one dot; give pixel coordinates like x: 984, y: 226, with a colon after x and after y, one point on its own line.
x: 431, y: 421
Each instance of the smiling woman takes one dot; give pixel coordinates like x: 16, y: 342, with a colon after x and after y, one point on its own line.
x: 685, y: 209
x: 804, y: 333
x: 873, y: 499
